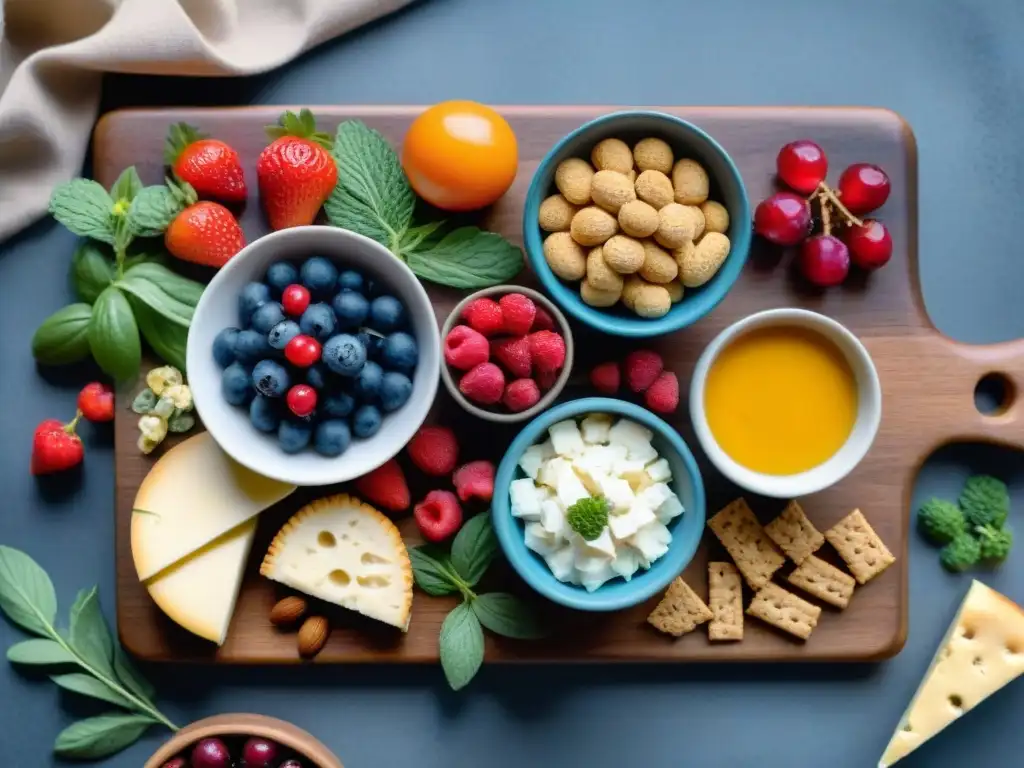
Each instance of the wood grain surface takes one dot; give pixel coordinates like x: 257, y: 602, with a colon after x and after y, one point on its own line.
x: 927, y: 381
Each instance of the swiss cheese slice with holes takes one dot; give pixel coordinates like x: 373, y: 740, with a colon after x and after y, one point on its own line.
x: 345, y: 552
x: 983, y: 650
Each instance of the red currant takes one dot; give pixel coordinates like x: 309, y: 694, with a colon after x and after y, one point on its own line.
x: 295, y: 299
x: 802, y: 166
x: 863, y: 188
x: 301, y: 400
x: 825, y: 260
x: 302, y: 351
x: 96, y: 402
x: 784, y: 218
x: 870, y: 244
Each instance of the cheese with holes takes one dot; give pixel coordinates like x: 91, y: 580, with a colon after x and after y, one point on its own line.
x: 983, y: 650
x: 194, y: 494
x: 199, y: 592
x: 345, y: 552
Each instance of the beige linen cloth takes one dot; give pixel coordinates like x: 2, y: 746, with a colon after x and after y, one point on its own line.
x: 52, y: 54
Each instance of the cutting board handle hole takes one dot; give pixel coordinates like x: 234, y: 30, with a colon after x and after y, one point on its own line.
x: 994, y: 394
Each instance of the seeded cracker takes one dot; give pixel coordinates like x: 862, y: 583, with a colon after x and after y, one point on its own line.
x: 745, y: 540
x: 725, y: 593
x: 785, y: 611
x: 824, y: 581
x: 857, y: 543
x: 794, y: 533
x: 680, y: 610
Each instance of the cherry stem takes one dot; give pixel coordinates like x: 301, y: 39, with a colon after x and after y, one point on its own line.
x: 826, y: 215
x: 71, y: 425
x: 828, y: 192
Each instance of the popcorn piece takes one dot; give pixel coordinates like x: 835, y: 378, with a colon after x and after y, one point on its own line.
x: 539, y: 540
x: 660, y: 471
x: 566, y: 438
x: 639, y: 515
x: 618, y: 492
x: 525, y: 499
x: 552, y: 518
x: 651, y: 542
x: 562, y: 564
x: 532, y: 460
x: 569, y: 487
x: 596, y: 427
x: 626, y: 562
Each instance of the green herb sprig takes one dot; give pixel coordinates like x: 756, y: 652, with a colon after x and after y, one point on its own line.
x: 373, y: 198
x: 89, y: 662
x: 457, y: 573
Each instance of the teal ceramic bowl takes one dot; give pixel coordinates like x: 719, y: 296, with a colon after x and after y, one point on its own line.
x: 686, y: 140
x: 616, y: 594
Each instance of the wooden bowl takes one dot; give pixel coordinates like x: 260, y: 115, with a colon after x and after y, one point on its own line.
x: 285, y: 734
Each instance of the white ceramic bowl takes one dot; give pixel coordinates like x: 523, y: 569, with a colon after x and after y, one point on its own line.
x: 869, y: 409
x: 218, y: 309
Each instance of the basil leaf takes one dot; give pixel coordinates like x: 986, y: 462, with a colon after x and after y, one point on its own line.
x: 179, y: 288
x: 468, y: 258
x: 181, y: 422
x: 64, y: 336
x: 90, y: 636
x: 430, y: 573
x: 102, y: 736
x: 474, y: 548
x: 461, y: 646
x: 92, y: 270
x: 130, y: 676
x: 508, y: 616
x: 86, y: 685
x: 39, y: 651
x: 167, y: 339
x: 114, y: 336
x: 127, y: 186
x: 85, y: 208
x: 26, y: 592
x: 161, y: 302
x: 152, y: 211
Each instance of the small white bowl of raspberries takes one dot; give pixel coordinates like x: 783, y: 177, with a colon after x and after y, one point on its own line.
x: 508, y: 353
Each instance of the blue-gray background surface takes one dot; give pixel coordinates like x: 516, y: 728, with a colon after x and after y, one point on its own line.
x: 953, y: 68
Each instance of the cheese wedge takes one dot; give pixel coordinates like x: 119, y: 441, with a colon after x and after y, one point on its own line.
x: 347, y: 553
x: 194, y: 494
x: 199, y: 592
x: 983, y: 650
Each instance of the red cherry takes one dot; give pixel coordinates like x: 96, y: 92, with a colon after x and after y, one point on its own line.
x: 783, y: 218
x: 802, y: 166
x: 301, y: 400
x: 302, y: 351
x: 825, y: 260
x: 295, y: 299
x: 863, y: 188
x: 870, y: 245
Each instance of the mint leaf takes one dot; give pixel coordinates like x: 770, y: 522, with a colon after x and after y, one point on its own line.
x: 468, y: 258
x: 167, y: 339
x: 152, y: 211
x: 127, y: 186
x: 64, y: 336
x: 26, y: 592
x: 39, y: 652
x: 86, y: 685
x: 85, y: 208
x: 114, y: 335
x: 474, y: 548
x: 461, y: 646
x: 431, y: 574
x: 507, y: 615
x: 92, y: 270
x: 102, y: 736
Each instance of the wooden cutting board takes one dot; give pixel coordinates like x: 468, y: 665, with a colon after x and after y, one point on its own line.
x: 927, y: 381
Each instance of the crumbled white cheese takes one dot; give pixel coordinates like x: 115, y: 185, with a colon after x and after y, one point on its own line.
x: 525, y: 498
x: 660, y: 471
x: 626, y: 562
x: 595, y: 428
x: 566, y: 439
x: 562, y: 563
x: 624, y: 526
x: 618, y: 492
x: 669, y: 509
x: 531, y: 460
x: 550, y: 471
x: 651, y: 542
x: 569, y: 487
x: 539, y: 540
x: 552, y: 517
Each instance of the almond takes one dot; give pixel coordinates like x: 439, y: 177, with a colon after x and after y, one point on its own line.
x: 313, y: 636
x: 288, y: 611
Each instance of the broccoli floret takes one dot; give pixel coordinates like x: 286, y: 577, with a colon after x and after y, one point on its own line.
x: 940, y: 521
x: 996, y: 543
x: 588, y: 517
x: 985, y: 501
x: 961, y: 553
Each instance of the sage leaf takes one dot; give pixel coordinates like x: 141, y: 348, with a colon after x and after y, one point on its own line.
x: 63, y: 337
x: 92, y: 270
x: 85, y: 208
x: 127, y: 186
x: 154, y: 297
x: 152, y: 211
x: 145, y: 401
x: 174, y: 285
x: 180, y: 421
x: 167, y: 339
x: 90, y: 636
x: 39, y: 651
x: 87, y: 685
x: 26, y: 592
x: 468, y: 258
x: 474, y: 548
x: 102, y: 736
x: 430, y: 573
x: 508, y: 616
x: 130, y: 676
x: 114, y: 336
x: 461, y: 646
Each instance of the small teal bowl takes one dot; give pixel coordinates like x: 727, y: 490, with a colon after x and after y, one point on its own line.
x: 686, y: 140
x: 617, y: 594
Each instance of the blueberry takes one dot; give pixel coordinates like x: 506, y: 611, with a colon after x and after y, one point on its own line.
x: 367, y: 386
x: 270, y: 378
x: 366, y: 422
x: 400, y: 352
x: 251, y: 346
x: 331, y: 438
x: 350, y: 280
x: 224, y: 347
x: 318, y: 321
x: 280, y: 275
x: 344, y: 355
x: 282, y: 333
x: 266, y: 317
x: 293, y: 436
x: 320, y: 276
x: 264, y: 414
x: 350, y: 308
x: 374, y: 344
x: 387, y: 314
x: 395, y: 389
x: 317, y: 376
x: 252, y: 297
x: 235, y: 385
x: 338, y: 405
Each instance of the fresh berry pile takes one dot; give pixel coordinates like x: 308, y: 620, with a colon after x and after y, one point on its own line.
x: 255, y: 752
x: 645, y: 374
x: 786, y: 217
x: 320, y: 355
x: 507, y: 351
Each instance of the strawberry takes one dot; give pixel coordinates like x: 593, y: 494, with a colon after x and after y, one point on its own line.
x: 56, y: 447
x: 434, y: 450
x: 514, y: 354
x: 204, y: 233
x: 439, y: 515
x: 210, y: 166
x: 386, y: 487
x: 474, y: 480
x: 96, y: 402
x: 296, y: 172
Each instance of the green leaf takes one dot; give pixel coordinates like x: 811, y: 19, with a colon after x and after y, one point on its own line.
x: 461, y: 646
x: 127, y: 186
x: 179, y: 136
x: 114, y: 336
x: 468, y: 258
x: 179, y: 288
x: 39, y: 651
x: 154, y: 297
x: 26, y: 592
x: 474, y: 548
x: 144, y: 401
x: 152, y: 211
x: 167, y: 339
x: 508, y: 616
x: 64, y: 336
x: 181, y: 421
x: 430, y: 573
x: 92, y: 270
x: 414, y: 237
x: 129, y: 675
x: 87, y: 685
x: 90, y: 636
x: 372, y: 196
x: 85, y: 208
x: 102, y: 736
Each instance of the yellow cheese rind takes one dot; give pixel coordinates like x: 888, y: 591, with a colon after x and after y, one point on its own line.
x: 983, y: 651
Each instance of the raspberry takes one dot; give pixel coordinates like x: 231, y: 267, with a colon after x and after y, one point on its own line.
x: 519, y: 312
x: 521, y: 394
x: 474, y: 481
x: 514, y: 354
x: 663, y: 395
x: 546, y: 379
x: 642, y: 368
x: 386, y: 487
x: 434, y: 450
x: 606, y: 378
x: 484, y: 315
x: 543, y: 321
x: 464, y: 348
x: 547, y: 349
x: 438, y: 516
x: 96, y: 402
x: 484, y: 384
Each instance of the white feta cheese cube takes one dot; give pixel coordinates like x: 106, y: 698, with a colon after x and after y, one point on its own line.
x: 550, y: 471
x: 532, y: 460
x: 655, y: 495
x: 595, y: 428
x: 627, y: 467
x: 626, y: 431
x: 539, y: 540
x: 592, y: 580
x: 565, y: 438
x: 569, y: 487
x: 660, y: 471
x: 669, y: 509
x: 651, y: 542
x: 562, y: 564
x: 638, y: 481
x: 525, y: 499
x: 552, y: 517
x: 547, y: 450
x: 602, y: 546
x: 639, y: 515
x: 589, y: 476
x: 626, y: 562
x: 618, y: 492
x: 598, y: 458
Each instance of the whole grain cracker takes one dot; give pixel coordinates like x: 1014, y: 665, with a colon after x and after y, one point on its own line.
x: 680, y: 610
x: 741, y: 534
x: 862, y: 550
x: 794, y: 533
x: 823, y: 580
x: 725, y: 595
x: 785, y: 611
